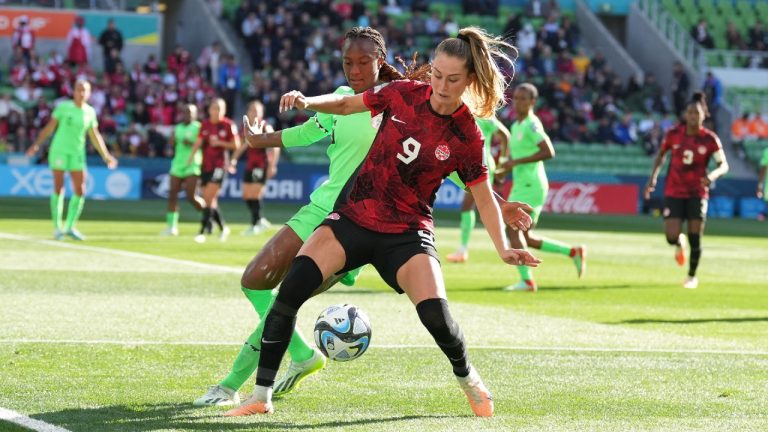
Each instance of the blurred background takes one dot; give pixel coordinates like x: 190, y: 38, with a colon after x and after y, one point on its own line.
x: 613, y: 77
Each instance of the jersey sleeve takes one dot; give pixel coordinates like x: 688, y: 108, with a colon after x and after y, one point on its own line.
x: 471, y: 166
x: 313, y: 130
x: 764, y: 160
x: 378, y: 98
x: 536, y: 132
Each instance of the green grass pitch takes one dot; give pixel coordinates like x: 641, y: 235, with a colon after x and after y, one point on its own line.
x: 105, y: 336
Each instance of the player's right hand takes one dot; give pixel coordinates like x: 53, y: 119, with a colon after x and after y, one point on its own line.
x: 292, y: 99
x: 519, y: 257
x: 759, y: 191
x: 649, y: 187
x: 31, y: 151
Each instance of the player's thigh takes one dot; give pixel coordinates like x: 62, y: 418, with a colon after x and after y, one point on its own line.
x: 325, y: 250
x: 421, y: 278
x: 269, y: 267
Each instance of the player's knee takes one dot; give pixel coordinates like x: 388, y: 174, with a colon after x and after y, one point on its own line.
x: 302, y: 279
x: 434, y: 315
x: 672, y: 240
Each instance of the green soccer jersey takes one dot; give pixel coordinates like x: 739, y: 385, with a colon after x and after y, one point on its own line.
x: 181, y: 150
x: 764, y: 164
x: 73, y: 123
x: 489, y: 127
x: 352, y: 136
x: 524, y: 141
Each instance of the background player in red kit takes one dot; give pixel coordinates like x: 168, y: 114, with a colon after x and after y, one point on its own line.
x: 218, y: 134
x: 687, y: 185
x: 384, y: 214
x: 260, y: 166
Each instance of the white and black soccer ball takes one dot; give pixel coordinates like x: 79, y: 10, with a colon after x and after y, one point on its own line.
x: 343, y: 332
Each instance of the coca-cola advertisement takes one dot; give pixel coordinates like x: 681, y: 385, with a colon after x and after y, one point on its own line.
x: 585, y: 198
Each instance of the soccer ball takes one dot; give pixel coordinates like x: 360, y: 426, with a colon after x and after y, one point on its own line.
x: 343, y: 332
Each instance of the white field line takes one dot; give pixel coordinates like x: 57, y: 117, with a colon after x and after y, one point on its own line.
x: 121, y: 253
x: 404, y: 346
x: 29, y: 423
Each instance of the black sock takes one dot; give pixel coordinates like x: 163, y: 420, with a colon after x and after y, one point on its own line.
x: 218, y: 218
x: 303, y: 278
x: 254, y: 205
x: 695, y: 241
x: 435, y: 316
x: 206, y: 221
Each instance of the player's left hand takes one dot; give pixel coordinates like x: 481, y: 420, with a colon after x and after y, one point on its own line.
x: 516, y: 215
x: 272, y: 171
x: 111, y: 162
x: 232, y: 168
x: 706, y: 181
x: 519, y: 257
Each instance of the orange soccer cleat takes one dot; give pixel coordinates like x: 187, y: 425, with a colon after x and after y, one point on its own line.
x: 251, y: 407
x: 479, y: 397
x: 681, y: 250
x: 458, y: 257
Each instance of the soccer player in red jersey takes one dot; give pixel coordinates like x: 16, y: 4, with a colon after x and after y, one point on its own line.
x: 384, y: 215
x: 218, y: 135
x: 687, y: 186
x: 260, y: 166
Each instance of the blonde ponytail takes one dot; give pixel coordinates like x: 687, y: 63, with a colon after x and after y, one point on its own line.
x: 479, y: 50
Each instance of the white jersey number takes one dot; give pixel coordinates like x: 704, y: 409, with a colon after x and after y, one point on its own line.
x: 687, y: 157
x: 411, y: 149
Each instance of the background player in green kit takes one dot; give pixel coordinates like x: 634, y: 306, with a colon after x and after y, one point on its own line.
x: 529, y: 147
x: 183, y: 174
x: 762, y: 188
x: 490, y: 128
x: 71, y: 120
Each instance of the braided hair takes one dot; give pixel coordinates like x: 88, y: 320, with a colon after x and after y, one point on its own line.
x: 388, y: 72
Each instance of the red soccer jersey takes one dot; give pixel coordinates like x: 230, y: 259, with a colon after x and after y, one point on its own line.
x: 255, y: 158
x: 688, y: 164
x: 414, y: 150
x: 214, y: 157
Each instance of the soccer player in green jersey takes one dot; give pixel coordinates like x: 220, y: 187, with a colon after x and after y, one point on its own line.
x: 762, y: 188
x: 491, y: 128
x: 183, y: 137
x: 529, y: 148
x: 71, y: 121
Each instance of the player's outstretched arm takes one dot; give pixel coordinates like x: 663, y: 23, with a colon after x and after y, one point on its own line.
x: 329, y: 103
x: 490, y: 214
x: 49, y: 128
x: 514, y: 213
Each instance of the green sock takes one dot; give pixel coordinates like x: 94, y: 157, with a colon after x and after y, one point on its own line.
x: 247, y: 359
x: 57, y: 209
x: 525, y: 272
x: 298, y: 348
x: 555, y: 246
x: 172, y: 218
x: 74, y: 210
x: 468, y: 219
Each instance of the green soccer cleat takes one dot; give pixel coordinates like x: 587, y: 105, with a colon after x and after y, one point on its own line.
x: 75, y: 234
x: 298, y: 371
